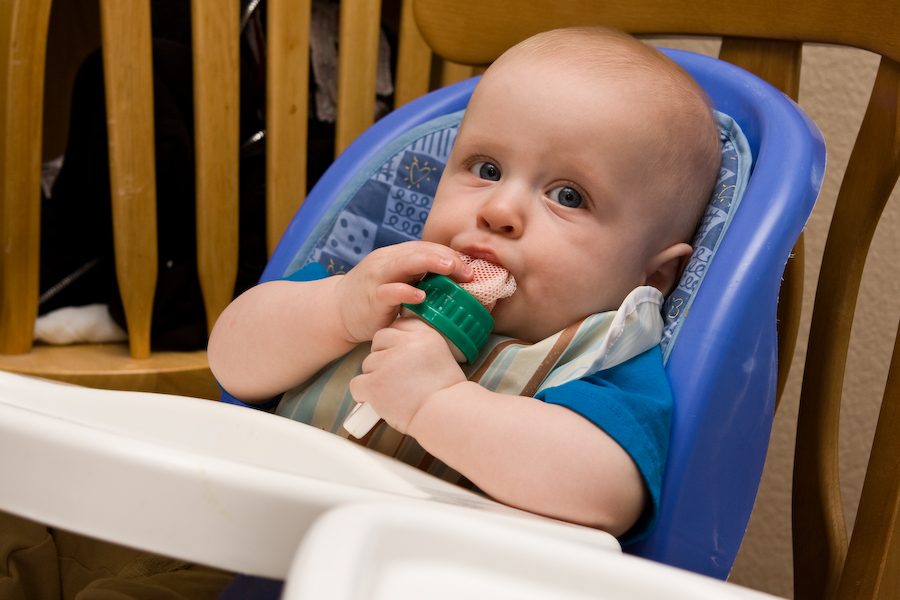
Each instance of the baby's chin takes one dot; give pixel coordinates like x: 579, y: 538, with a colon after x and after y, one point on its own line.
x: 507, y: 322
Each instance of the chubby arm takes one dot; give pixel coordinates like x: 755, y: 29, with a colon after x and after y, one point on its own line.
x: 262, y: 343
x: 278, y: 334
x: 539, y: 457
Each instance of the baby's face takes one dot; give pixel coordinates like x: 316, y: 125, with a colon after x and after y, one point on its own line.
x: 548, y: 179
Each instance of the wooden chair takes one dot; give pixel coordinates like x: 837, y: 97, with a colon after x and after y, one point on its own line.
x: 126, y: 40
x: 766, y: 37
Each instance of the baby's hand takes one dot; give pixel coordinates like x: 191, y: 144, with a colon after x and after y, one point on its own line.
x: 369, y: 296
x: 409, y: 363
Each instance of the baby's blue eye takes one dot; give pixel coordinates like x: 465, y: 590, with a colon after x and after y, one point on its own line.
x: 485, y: 170
x: 567, y: 196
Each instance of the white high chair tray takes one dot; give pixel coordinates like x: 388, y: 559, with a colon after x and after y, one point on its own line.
x: 391, y: 552
x: 203, y: 481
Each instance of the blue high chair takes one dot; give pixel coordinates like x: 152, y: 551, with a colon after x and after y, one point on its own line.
x: 241, y: 489
x: 722, y: 364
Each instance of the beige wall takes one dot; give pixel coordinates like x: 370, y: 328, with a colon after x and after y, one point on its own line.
x: 834, y: 90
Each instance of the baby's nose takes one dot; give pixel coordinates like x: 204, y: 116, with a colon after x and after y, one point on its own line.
x: 503, y: 214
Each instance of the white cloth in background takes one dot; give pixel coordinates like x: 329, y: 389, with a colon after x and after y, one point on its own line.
x: 78, y: 324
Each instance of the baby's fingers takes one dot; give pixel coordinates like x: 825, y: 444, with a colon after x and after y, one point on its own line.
x: 372, y: 362
x: 452, y: 266
x: 395, y: 294
x: 442, y: 261
x: 389, y: 337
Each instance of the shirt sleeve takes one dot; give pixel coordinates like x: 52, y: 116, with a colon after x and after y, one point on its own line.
x: 310, y: 272
x: 632, y: 402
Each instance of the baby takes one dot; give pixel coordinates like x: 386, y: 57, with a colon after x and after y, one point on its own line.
x: 582, y: 165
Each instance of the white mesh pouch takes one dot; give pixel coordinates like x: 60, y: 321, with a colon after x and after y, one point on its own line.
x: 490, y: 282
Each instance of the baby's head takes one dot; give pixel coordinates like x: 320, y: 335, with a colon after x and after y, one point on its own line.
x: 582, y: 166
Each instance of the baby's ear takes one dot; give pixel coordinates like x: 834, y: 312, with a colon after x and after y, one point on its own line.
x: 666, y: 267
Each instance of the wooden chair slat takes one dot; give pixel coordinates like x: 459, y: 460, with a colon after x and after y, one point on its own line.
x: 790, y: 306
x: 452, y: 72
x: 871, y: 568
x: 357, y: 72
x: 128, y: 72
x: 872, y: 172
x: 413, y: 59
x: 216, y: 35
x: 23, y: 43
x: 287, y: 100
x: 778, y: 62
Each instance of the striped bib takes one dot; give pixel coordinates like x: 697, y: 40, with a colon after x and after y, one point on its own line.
x: 504, y: 365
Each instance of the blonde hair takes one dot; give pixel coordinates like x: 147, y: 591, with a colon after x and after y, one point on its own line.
x: 680, y: 124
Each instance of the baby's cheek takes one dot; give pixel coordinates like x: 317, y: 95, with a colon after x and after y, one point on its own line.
x: 431, y: 228
x: 427, y: 232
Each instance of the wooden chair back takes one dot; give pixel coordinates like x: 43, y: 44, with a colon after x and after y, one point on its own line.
x: 766, y: 38
x: 127, y: 62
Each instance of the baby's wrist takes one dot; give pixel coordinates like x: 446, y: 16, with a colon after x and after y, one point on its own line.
x: 434, y: 409
x: 336, y: 301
